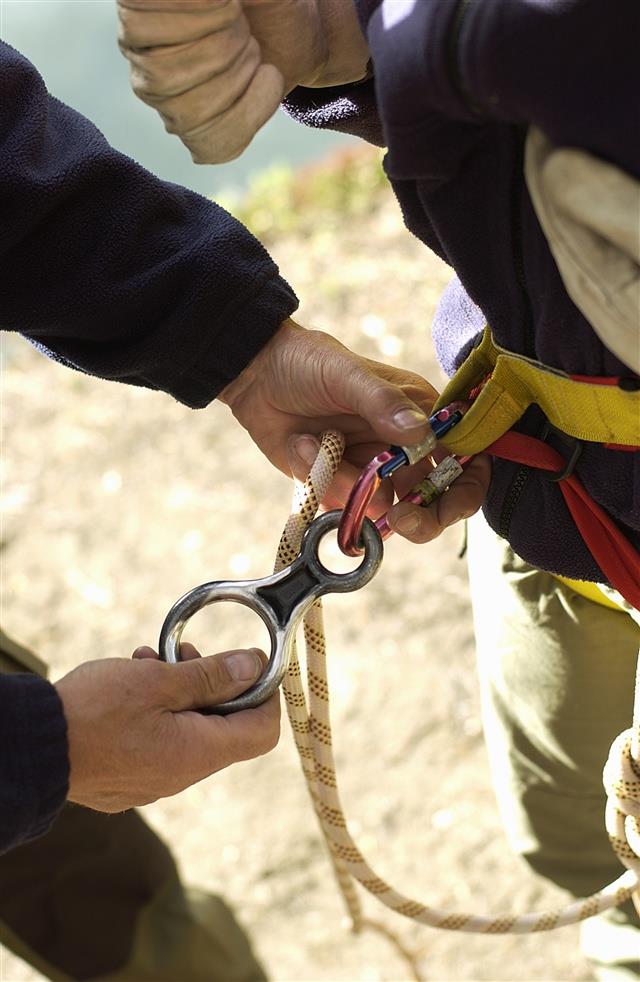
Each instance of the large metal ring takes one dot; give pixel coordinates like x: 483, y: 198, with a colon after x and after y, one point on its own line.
x: 281, y: 601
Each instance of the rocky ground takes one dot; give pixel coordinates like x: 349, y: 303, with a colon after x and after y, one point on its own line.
x: 116, y: 500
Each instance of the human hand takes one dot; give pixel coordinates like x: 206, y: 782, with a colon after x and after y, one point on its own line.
x: 304, y: 382
x: 463, y: 499
x: 216, y: 70
x: 413, y: 522
x: 133, y: 733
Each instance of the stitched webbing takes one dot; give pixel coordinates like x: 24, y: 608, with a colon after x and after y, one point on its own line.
x: 584, y: 410
x: 617, y: 558
x: 311, y: 726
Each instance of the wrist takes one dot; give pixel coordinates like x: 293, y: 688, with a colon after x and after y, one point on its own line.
x: 233, y: 393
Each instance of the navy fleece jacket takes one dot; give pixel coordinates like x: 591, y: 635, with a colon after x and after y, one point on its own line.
x: 121, y: 275
x: 456, y: 82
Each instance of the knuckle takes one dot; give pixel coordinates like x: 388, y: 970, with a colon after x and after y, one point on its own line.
x: 142, y: 86
x: 210, y: 677
x: 420, y: 536
x: 272, y: 737
x: 183, y: 114
x: 264, y: 732
x: 205, y: 149
x: 426, y: 530
x: 158, y: 682
x: 156, y: 672
x: 131, y: 24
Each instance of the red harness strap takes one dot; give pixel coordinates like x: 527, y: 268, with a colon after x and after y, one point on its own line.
x: 615, y: 555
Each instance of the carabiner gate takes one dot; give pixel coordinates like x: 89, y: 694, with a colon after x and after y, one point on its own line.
x: 382, y: 466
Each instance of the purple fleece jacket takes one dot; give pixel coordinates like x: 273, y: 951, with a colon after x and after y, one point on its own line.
x: 121, y: 275
x: 455, y: 84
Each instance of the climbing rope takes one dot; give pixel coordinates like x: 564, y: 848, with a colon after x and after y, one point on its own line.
x: 310, y: 722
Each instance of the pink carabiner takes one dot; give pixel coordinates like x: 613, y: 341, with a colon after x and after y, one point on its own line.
x: 382, y: 525
x: 355, y: 510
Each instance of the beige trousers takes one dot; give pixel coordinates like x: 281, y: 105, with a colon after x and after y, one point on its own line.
x: 557, y: 681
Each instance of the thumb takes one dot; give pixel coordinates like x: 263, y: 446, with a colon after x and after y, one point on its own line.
x: 302, y: 450
x: 203, y: 682
x: 386, y: 407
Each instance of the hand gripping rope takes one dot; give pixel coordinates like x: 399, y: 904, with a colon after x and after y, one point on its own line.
x: 310, y: 722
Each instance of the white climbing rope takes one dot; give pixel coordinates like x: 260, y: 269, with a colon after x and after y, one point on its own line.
x: 311, y: 726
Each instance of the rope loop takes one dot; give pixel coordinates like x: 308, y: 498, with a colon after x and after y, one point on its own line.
x: 311, y: 726
x: 621, y: 778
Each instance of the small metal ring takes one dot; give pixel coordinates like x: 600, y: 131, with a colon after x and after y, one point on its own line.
x: 356, y: 578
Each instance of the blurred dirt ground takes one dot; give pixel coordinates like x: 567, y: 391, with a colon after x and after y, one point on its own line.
x: 117, y: 500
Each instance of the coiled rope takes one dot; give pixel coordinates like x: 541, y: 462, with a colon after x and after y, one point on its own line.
x: 309, y: 717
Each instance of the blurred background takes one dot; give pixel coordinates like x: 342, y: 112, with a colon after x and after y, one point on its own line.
x: 73, y: 45
x: 117, y: 500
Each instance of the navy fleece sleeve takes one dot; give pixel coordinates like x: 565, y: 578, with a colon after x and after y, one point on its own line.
x: 113, y: 271
x: 569, y: 67
x: 34, y: 767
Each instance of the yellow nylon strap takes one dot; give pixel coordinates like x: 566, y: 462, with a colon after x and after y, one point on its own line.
x: 597, y: 413
x: 591, y: 591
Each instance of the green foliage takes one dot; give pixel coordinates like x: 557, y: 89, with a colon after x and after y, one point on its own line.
x: 281, y: 201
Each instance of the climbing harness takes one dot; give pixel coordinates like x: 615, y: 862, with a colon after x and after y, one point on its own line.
x: 599, y: 410
x: 499, y: 386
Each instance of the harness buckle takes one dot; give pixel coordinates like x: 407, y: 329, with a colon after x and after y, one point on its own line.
x: 571, y: 442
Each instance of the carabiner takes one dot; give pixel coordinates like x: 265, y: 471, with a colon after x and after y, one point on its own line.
x: 430, y: 487
x: 382, y: 466
x: 280, y: 600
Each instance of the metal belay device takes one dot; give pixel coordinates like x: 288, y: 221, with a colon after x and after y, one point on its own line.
x: 281, y: 600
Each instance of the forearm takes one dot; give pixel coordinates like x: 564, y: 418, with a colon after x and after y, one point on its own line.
x: 114, y: 271
x: 34, y: 767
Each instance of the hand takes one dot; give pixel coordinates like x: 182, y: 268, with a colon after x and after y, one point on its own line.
x: 217, y: 70
x: 412, y: 522
x: 134, y: 737
x: 304, y: 382
x: 463, y: 499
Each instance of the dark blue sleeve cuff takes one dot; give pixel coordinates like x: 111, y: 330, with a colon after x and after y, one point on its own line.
x: 34, y: 760
x: 345, y: 108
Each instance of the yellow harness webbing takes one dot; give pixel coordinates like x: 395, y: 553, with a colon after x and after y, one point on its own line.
x: 584, y: 410
x: 591, y: 591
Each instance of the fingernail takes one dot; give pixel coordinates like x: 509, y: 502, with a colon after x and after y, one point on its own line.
x: 408, y: 419
x: 306, y: 448
x: 144, y: 651
x: 243, y: 666
x: 406, y: 524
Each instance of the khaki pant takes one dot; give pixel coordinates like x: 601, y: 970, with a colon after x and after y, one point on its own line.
x: 557, y: 682
x: 99, y: 897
